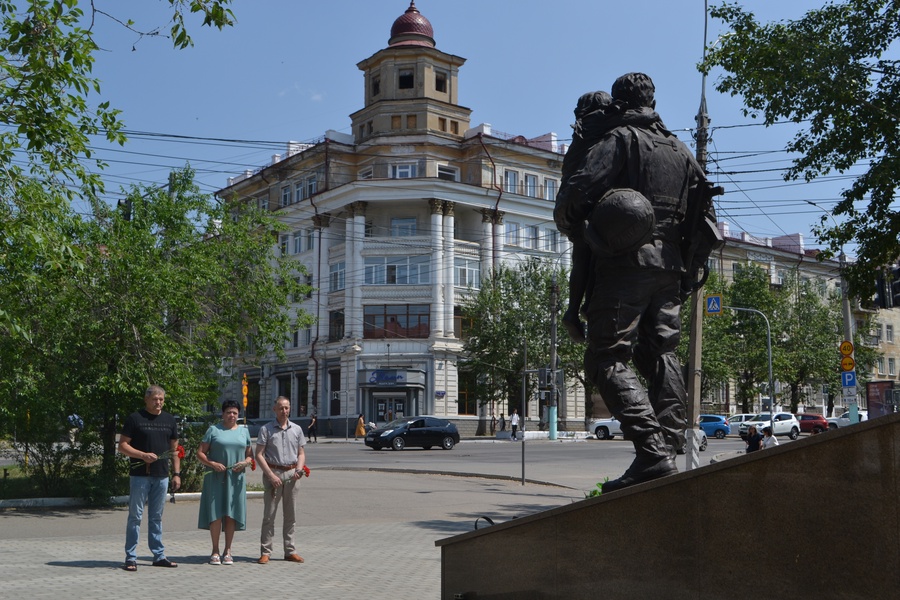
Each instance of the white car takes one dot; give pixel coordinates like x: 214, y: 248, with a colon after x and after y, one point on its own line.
x: 604, y: 429
x: 844, y: 419
x: 784, y: 424
x: 736, y: 420
x: 607, y: 429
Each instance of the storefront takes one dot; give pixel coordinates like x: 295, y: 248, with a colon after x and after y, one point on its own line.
x: 392, y: 393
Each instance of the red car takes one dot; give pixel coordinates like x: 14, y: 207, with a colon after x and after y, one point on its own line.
x: 812, y: 423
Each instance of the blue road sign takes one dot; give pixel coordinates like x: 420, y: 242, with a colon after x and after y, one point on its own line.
x: 714, y: 305
x: 848, y: 379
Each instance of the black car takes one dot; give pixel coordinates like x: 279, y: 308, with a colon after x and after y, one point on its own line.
x: 423, y: 432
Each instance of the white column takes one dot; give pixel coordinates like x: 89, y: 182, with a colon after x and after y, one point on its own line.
x: 487, y: 242
x: 437, y: 267
x: 356, y: 233
x: 447, y: 273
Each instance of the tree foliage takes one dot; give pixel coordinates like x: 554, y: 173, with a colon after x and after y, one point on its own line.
x: 50, y: 108
x: 509, y: 311
x: 171, y: 284
x: 830, y: 71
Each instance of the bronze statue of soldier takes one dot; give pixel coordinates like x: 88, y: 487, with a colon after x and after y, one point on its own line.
x: 641, y: 202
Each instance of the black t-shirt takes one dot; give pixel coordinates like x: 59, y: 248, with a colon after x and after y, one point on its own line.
x: 150, y: 433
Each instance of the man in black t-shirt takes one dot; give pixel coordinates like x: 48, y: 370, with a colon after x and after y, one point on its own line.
x: 149, y: 437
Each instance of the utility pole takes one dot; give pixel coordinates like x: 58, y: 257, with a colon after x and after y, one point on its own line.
x: 695, y: 345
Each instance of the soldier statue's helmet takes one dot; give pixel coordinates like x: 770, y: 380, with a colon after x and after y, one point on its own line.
x: 621, y: 222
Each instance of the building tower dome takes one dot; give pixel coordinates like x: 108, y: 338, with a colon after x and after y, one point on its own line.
x: 412, y: 29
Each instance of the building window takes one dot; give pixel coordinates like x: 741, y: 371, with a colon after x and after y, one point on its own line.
x: 396, y: 321
x: 442, y: 124
x: 467, y: 272
x: 440, y: 81
x: 512, y: 233
x: 298, y: 242
x: 531, y: 185
x: 370, y: 127
x: 889, y: 334
x: 366, y: 173
x: 892, y: 367
x: 511, y: 182
x: 263, y: 203
x: 395, y: 121
x: 467, y: 399
x: 405, y: 80
x: 335, y: 325
x: 403, y: 171
x: 454, y: 127
x: 403, y: 226
x: 448, y: 173
x: 310, y: 238
x: 370, y: 229
x: 336, y: 276
x: 284, y: 244
x: 376, y: 85
x: 299, y: 191
x: 530, y: 237
x: 412, y: 121
x: 397, y: 270
x: 551, y: 240
x: 549, y: 189
x: 880, y: 367
x: 286, y: 196
x: 312, y: 186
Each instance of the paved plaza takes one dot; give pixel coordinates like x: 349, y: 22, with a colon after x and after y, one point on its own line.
x: 363, y: 534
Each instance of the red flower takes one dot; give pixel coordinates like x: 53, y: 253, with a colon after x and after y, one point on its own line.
x: 252, y: 465
x: 306, y: 470
x: 180, y: 451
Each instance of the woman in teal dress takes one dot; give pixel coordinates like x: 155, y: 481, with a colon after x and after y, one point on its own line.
x: 223, y: 501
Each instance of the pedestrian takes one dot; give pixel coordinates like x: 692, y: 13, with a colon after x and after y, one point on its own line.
x: 646, y: 202
x: 514, y: 423
x: 769, y: 440
x: 223, y: 500
x: 493, y: 424
x: 149, y: 438
x: 76, y: 425
x: 280, y: 455
x: 753, y: 439
x: 313, y: 438
x: 502, y: 422
x: 360, y: 427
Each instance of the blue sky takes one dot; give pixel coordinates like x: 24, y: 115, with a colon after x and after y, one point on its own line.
x: 287, y: 71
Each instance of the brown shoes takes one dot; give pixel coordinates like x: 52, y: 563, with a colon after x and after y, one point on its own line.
x: 263, y: 559
x: 293, y: 558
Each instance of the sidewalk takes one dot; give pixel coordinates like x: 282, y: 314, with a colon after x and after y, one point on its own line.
x: 362, y: 533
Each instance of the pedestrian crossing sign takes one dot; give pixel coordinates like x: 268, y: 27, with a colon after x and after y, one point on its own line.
x: 713, y: 305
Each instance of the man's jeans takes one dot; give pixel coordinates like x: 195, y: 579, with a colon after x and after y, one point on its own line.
x: 152, y: 492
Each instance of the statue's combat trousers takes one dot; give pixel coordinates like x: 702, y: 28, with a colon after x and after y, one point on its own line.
x: 634, y: 316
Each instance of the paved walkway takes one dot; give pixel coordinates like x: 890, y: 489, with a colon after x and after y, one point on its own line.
x: 363, y: 534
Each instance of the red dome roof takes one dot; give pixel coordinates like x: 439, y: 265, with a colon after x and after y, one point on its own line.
x: 412, y: 29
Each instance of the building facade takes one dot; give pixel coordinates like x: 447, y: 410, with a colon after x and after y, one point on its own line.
x: 393, y: 225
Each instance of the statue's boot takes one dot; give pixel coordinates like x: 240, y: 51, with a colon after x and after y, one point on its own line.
x: 652, y: 462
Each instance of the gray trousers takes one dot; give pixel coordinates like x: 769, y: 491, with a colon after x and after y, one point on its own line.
x: 634, y: 317
x: 286, y: 495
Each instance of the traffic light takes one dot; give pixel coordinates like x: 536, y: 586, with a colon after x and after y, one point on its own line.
x: 545, y: 378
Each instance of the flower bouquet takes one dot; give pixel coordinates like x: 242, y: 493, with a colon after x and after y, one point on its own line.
x: 179, y: 451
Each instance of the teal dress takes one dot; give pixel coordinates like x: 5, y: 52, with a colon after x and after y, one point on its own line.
x: 225, y: 494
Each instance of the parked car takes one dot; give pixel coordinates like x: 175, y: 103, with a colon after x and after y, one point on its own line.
x: 704, y: 443
x: 604, y: 429
x: 783, y: 424
x: 421, y: 431
x: 844, y: 419
x: 736, y: 420
x: 714, y: 425
x: 812, y: 423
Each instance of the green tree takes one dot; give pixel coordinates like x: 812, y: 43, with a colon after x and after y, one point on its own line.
x: 512, y: 308
x: 50, y: 109
x: 830, y: 71
x: 170, y: 285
